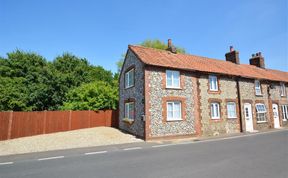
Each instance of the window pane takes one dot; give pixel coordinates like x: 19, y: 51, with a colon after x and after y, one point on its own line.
x: 131, y: 111
x: 177, y: 110
x: 213, y: 83
x: 176, y: 82
x: 170, y: 110
x: 169, y: 78
x: 217, y: 110
x: 231, y: 110
x: 212, y: 110
x: 126, y: 110
x: 126, y: 79
x: 131, y: 78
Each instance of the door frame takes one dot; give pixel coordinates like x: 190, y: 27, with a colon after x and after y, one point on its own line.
x: 277, y: 107
x: 251, y: 115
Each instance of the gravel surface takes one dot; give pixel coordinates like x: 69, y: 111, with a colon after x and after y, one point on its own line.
x: 65, y: 140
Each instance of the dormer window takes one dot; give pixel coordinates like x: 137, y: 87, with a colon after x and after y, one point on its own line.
x: 213, y: 83
x: 258, y: 87
x: 172, y: 79
x: 282, y: 89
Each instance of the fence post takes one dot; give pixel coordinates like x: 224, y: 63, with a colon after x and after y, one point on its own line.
x: 10, y: 125
x: 89, y: 121
x: 70, y: 117
x: 44, y: 122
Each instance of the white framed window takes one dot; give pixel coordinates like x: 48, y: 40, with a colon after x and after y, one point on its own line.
x: 172, y: 79
x: 282, y: 89
x: 258, y: 87
x: 129, y: 110
x: 284, y: 109
x: 174, y: 111
x: 213, y: 83
x: 215, y: 110
x: 261, y: 112
x: 231, y: 110
x: 129, y: 78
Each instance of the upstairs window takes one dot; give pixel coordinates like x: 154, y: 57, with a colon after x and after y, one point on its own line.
x: 282, y: 89
x: 258, y: 87
x: 231, y: 110
x: 174, y: 111
x: 261, y: 113
x: 129, y: 78
x: 172, y: 79
x: 213, y: 83
x: 215, y: 111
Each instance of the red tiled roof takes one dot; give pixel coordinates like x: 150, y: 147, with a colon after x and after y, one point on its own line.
x: 165, y: 58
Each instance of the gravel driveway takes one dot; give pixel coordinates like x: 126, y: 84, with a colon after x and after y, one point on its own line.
x: 64, y: 140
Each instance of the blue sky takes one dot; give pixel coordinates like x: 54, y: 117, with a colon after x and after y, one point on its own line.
x: 101, y: 30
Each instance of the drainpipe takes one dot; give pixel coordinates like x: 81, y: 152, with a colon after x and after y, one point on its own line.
x: 239, y: 104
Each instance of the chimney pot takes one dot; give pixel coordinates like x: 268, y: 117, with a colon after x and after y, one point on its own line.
x: 257, y: 60
x: 171, y: 48
x: 232, y: 56
x: 169, y: 43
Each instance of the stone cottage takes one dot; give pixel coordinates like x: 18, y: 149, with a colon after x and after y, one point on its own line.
x: 165, y: 94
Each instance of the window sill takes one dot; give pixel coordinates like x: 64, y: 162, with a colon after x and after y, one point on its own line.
x: 232, y: 118
x: 214, y: 92
x: 260, y: 122
x: 215, y: 119
x: 128, y: 121
x: 129, y: 87
x: 260, y: 95
x: 174, y: 88
x: 285, y: 120
x: 174, y: 120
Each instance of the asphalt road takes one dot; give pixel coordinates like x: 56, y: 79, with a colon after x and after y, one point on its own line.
x: 263, y: 155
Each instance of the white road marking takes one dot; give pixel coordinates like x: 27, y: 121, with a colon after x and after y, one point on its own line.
x: 132, y: 148
x: 163, y: 145
x: 49, y: 158
x: 6, y: 163
x: 94, y: 153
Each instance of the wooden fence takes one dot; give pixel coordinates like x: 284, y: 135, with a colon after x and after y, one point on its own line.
x: 22, y: 124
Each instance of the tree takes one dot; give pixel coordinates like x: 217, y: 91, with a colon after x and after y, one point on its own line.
x: 28, y: 82
x: 13, y: 94
x: 157, y: 44
x: 24, y: 81
x: 92, y: 96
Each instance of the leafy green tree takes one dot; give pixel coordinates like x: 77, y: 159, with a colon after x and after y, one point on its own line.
x: 13, y: 94
x: 157, y: 44
x: 29, y: 75
x: 92, y: 96
x: 69, y: 72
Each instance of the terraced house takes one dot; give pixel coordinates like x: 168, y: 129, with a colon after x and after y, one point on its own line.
x: 165, y: 94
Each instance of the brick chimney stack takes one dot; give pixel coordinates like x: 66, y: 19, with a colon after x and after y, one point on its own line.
x: 257, y: 60
x: 171, y: 48
x: 232, y: 56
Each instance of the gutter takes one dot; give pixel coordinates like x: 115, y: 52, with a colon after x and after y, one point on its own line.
x: 239, y: 104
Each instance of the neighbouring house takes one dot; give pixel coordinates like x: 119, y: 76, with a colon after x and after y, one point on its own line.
x: 165, y: 94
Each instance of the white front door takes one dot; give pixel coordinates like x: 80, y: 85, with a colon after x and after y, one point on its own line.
x: 248, y: 117
x: 276, y: 116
